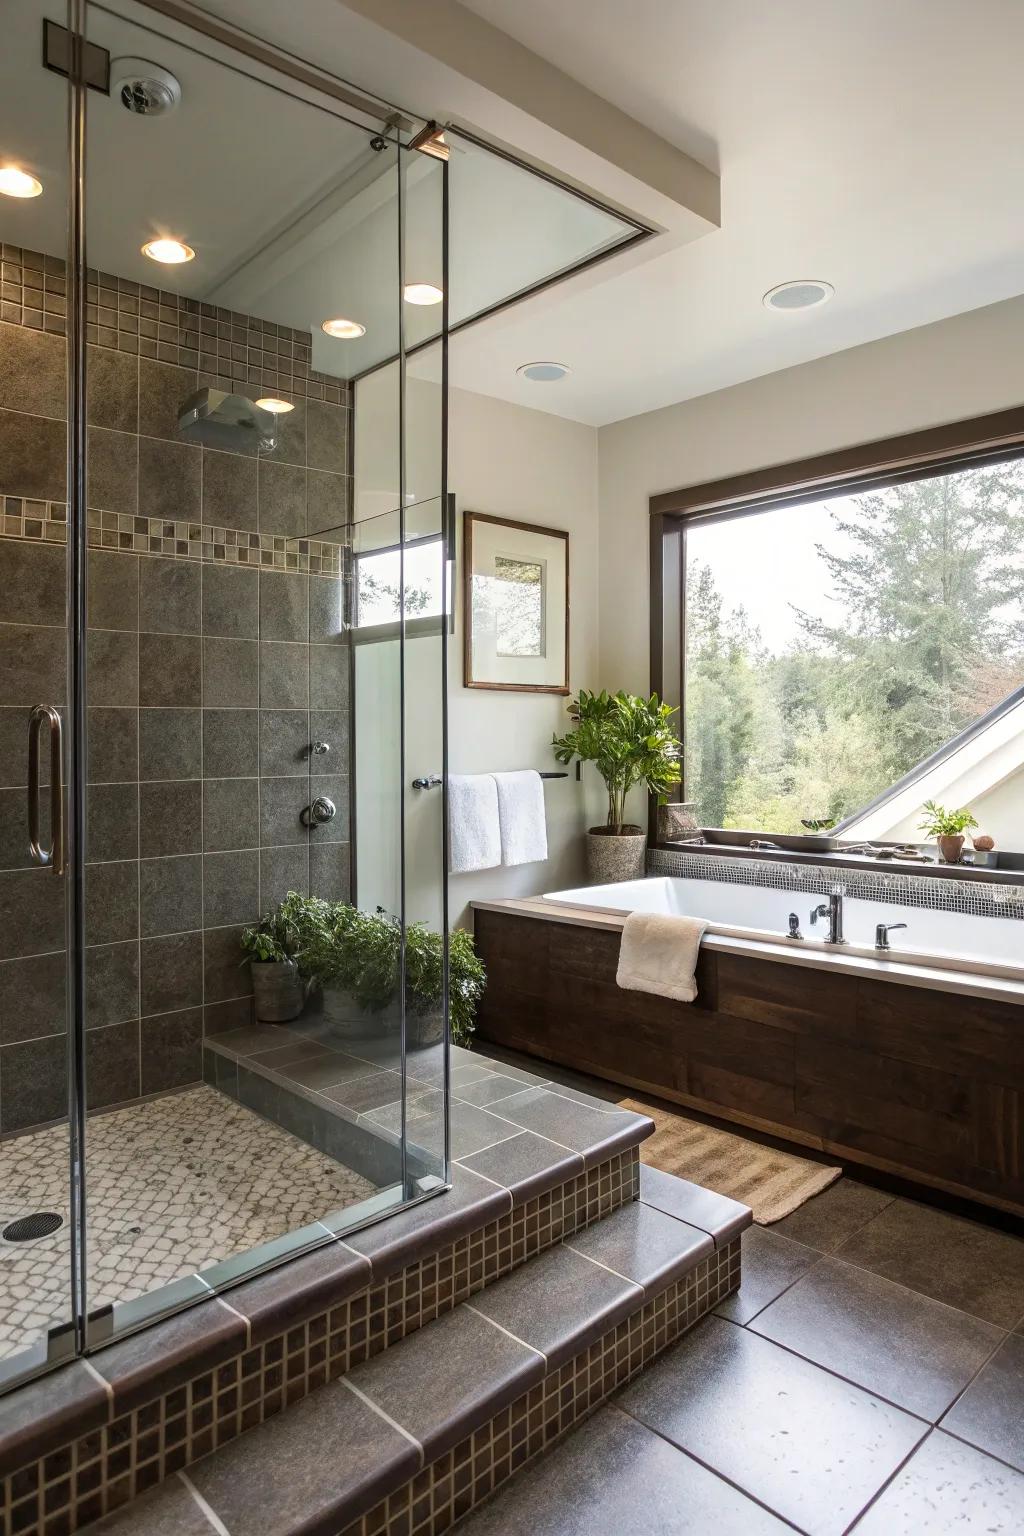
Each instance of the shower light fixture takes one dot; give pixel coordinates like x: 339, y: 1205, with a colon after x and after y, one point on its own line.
x: 274, y: 406
x: 431, y: 141
x: 14, y: 182
x: 169, y: 252
x: 422, y: 293
x: 342, y: 329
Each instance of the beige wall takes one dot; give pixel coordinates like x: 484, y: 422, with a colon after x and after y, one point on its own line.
x: 506, y: 461
x: 537, y: 468
x: 956, y: 368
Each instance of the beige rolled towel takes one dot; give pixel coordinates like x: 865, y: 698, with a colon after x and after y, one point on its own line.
x: 659, y: 954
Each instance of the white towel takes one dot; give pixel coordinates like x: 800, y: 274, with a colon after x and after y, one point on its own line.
x: 659, y: 954
x: 524, y: 834
x: 474, y: 835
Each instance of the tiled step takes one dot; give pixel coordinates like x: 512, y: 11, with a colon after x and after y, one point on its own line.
x: 150, y: 1405
x: 407, y: 1442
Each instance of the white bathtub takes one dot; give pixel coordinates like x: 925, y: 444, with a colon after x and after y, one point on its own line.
x: 990, y: 946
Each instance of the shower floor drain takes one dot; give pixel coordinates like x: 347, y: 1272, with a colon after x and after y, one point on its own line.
x: 29, y: 1229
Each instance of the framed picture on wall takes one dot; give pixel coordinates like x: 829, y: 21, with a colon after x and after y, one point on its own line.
x: 516, y: 608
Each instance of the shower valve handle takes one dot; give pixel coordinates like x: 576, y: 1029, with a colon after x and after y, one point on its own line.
x: 321, y: 810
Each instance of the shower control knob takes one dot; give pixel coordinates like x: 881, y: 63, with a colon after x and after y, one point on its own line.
x: 321, y: 810
x: 320, y: 747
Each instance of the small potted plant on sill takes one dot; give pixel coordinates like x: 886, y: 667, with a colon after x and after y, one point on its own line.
x: 270, y: 946
x: 630, y: 741
x: 947, y: 828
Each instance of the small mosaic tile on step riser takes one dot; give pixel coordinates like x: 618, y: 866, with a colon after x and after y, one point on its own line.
x: 464, y: 1477
x: 99, y: 1472
x: 908, y: 890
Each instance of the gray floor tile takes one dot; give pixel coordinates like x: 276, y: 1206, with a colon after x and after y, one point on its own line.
x: 770, y: 1266
x: 489, y: 1090
x: 811, y: 1447
x: 448, y: 1378
x: 613, y: 1476
x: 904, y: 1346
x: 991, y: 1412
x: 170, y: 1510
x: 581, y: 1301
x: 526, y: 1163
x: 948, y: 1489
x: 834, y: 1215
x: 703, y: 1208
x: 643, y: 1245
x: 334, y: 1448
x: 962, y: 1263
x: 574, y: 1125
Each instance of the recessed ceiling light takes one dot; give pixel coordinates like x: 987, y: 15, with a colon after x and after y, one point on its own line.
x: 274, y: 406
x: 342, y: 329
x: 422, y: 293
x: 15, y: 182
x: 799, y: 293
x: 543, y: 373
x: 169, y: 252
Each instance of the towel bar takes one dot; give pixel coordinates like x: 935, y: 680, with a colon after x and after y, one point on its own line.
x: 434, y: 780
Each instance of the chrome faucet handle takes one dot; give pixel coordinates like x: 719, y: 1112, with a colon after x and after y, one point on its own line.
x: 321, y: 810
x: 821, y: 910
x: 882, y: 932
x: 794, y: 926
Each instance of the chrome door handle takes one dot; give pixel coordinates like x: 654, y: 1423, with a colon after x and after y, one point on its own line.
x: 52, y: 857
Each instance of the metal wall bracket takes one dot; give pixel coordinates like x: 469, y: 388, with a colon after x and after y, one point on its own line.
x: 57, y: 56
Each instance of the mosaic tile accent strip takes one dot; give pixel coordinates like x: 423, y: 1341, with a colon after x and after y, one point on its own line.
x: 47, y: 520
x: 132, y: 317
x: 99, y: 1472
x: 175, y: 1185
x: 893, y: 886
x: 458, y: 1481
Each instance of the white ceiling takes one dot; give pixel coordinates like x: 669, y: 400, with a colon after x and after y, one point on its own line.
x: 879, y: 145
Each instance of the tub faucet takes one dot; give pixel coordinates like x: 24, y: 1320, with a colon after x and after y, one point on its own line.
x: 833, y: 910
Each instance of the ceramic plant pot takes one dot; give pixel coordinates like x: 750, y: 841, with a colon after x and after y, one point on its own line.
x: 951, y: 848
x: 277, y: 990
x: 614, y: 856
x: 346, y: 1017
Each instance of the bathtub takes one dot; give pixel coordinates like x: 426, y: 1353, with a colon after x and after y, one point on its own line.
x: 954, y: 941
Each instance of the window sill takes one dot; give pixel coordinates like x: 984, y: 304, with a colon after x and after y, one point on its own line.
x: 847, y: 861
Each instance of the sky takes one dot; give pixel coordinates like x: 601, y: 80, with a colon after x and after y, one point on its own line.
x: 767, y: 562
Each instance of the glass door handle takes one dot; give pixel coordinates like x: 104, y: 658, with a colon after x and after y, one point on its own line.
x: 52, y: 857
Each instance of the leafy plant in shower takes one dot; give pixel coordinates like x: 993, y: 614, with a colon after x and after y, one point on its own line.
x: 630, y: 741
x: 281, y: 932
x: 360, y: 953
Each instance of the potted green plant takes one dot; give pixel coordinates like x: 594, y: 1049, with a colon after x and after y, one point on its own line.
x: 355, y: 958
x: 270, y: 946
x: 947, y: 828
x: 630, y: 740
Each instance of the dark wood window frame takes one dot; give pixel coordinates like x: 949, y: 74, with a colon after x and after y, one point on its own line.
x: 866, y: 466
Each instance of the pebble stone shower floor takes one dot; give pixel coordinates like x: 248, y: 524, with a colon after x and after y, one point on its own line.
x: 174, y: 1185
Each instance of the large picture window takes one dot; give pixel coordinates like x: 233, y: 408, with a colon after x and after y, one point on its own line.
x: 848, y: 656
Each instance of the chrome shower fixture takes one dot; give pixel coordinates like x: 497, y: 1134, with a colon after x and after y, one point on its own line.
x: 220, y: 420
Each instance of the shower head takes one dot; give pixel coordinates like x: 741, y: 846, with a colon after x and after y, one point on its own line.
x: 219, y: 420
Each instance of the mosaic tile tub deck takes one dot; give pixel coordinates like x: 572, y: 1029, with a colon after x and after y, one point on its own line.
x: 92, y: 1436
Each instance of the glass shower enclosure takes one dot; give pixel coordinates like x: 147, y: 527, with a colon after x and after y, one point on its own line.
x: 216, y: 686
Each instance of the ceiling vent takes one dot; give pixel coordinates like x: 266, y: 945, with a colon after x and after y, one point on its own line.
x: 144, y: 88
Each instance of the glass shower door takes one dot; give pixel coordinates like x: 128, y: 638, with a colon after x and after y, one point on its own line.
x: 36, y: 1322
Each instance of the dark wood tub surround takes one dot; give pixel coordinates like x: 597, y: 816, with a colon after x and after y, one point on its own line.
x: 925, y: 1084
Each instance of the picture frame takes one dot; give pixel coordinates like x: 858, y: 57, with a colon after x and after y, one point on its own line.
x: 515, y: 583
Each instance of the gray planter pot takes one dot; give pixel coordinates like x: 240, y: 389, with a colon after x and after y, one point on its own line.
x: 611, y: 858
x: 277, y: 990
x: 346, y: 1018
